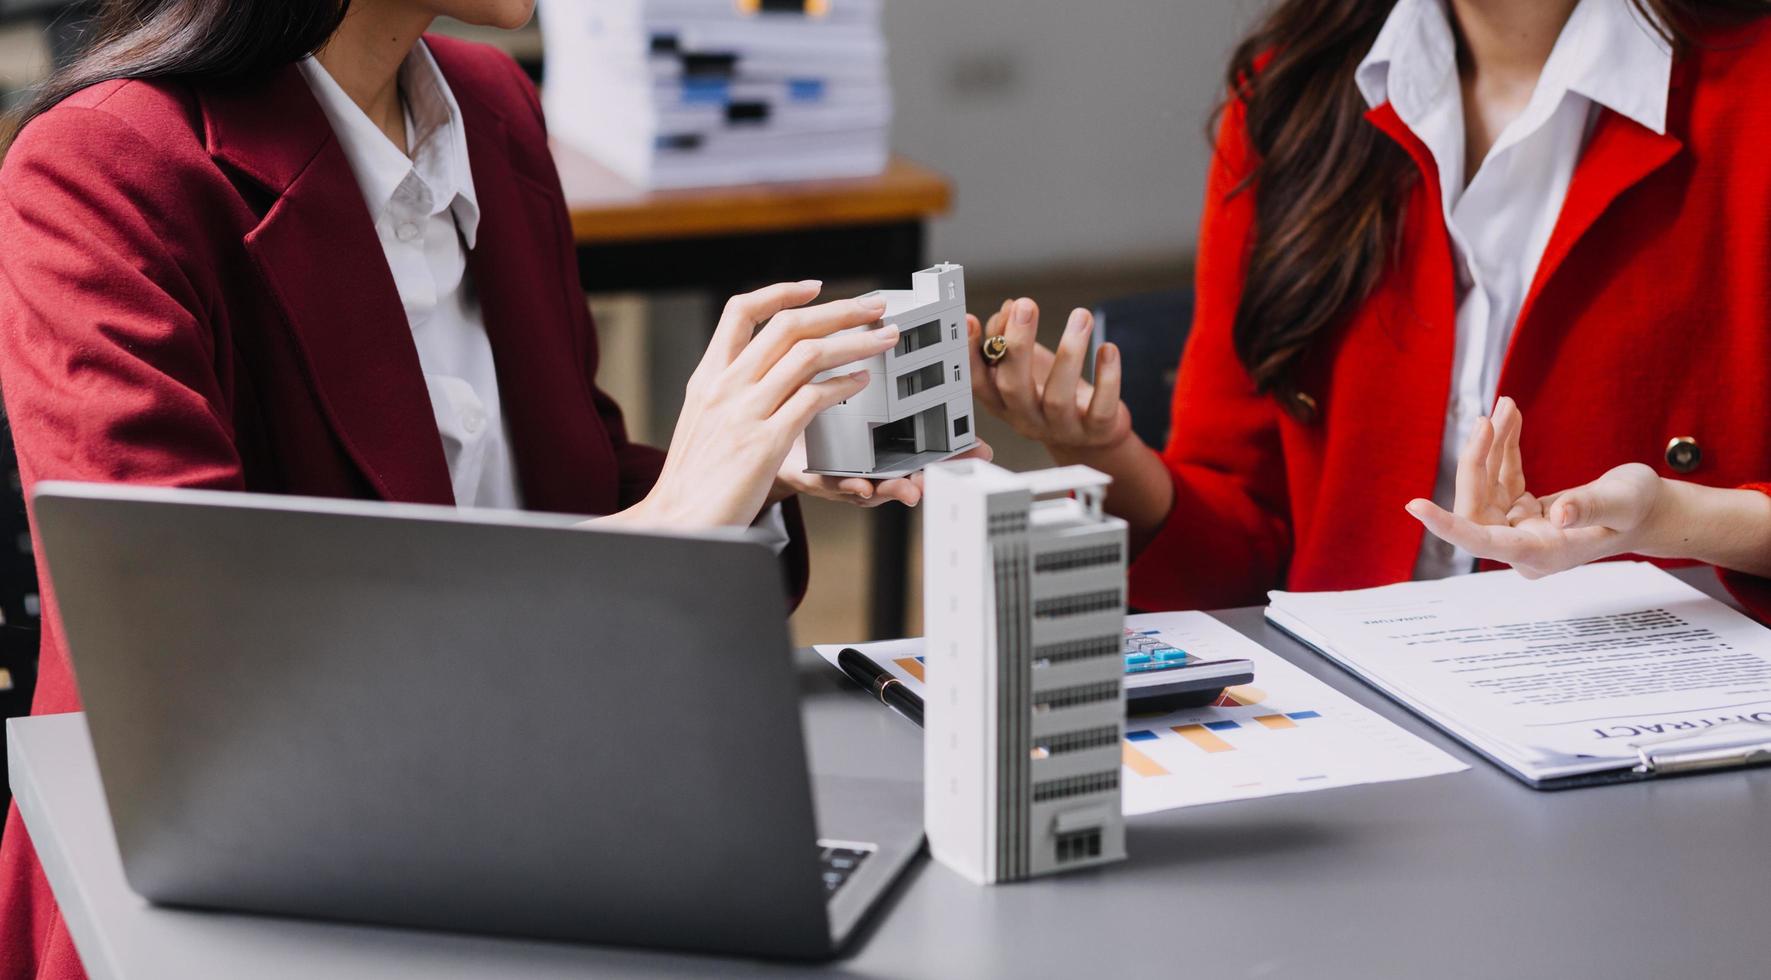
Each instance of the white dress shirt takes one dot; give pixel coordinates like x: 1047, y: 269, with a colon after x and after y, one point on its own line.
x: 426, y: 216
x: 1500, y: 219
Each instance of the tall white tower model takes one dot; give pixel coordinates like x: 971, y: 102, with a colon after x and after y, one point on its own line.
x: 1024, y: 604
x: 917, y: 406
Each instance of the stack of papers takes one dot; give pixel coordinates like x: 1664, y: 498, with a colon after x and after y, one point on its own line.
x: 1286, y: 733
x: 1577, y: 674
x: 687, y: 93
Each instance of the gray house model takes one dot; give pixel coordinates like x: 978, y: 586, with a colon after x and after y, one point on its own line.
x: 917, y: 406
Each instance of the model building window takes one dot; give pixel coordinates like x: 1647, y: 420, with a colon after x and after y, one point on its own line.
x: 1063, y: 561
x: 1054, y: 789
x: 1079, y: 845
x: 920, y: 380
x: 1076, y: 605
x: 1062, y: 653
x: 1070, y: 697
x: 917, y: 337
x: 1045, y: 746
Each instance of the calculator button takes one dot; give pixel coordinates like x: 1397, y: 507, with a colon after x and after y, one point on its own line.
x: 1170, y: 653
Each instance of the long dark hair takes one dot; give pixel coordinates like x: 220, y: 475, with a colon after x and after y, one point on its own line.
x: 1328, y: 185
x: 198, y: 39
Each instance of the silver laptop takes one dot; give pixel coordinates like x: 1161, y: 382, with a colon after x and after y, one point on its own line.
x: 471, y: 721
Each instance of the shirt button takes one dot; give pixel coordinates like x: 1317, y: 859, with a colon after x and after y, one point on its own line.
x: 406, y: 232
x: 473, y: 420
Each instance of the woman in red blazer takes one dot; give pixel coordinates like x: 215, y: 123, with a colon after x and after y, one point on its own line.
x: 1381, y: 170
x: 193, y: 293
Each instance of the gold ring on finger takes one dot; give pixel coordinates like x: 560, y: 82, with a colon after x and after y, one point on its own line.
x: 995, y: 348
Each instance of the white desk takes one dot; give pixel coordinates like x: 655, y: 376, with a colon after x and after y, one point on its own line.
x: 1466, y: 875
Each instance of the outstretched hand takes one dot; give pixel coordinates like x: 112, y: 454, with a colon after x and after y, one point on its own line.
x: 1495, y: 517
x: 1041, y: 392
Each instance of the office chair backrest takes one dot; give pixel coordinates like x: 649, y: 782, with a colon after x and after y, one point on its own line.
x: 1150, y: 330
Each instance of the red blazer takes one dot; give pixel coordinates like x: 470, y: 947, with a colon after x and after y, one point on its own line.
x: 1649, y: 319
x: 192, y: 294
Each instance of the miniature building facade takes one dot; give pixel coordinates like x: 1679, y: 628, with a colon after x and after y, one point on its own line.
x: 917, y: 406
x: 1024, y: 603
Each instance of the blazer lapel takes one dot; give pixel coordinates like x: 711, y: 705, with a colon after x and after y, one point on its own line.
x: 1621, y: 154
x: 322, y: 263
x: 526, y: 276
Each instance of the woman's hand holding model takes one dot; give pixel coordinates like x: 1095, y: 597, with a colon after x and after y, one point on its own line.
x: 751, y: 398
x: 858, y: 490
x: 1629, y: 510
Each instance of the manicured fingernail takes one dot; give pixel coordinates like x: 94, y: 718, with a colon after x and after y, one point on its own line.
x: 1569, y: 514
x: 886, y: 335
x: 812, y: 283
x: 1023, y: 311
x: 1079, y: 322
x: 866, y: 494
x: 860, y: 375
x: 871, y: 302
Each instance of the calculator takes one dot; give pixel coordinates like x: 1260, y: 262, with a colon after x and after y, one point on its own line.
x: 1161, y: 677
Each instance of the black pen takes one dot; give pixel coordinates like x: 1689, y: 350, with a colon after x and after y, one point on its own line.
x: 880, y: 683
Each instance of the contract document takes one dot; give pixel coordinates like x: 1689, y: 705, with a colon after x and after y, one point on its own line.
x: 1612, y: 670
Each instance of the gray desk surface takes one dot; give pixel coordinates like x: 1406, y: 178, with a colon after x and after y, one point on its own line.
x: 1464, y: 875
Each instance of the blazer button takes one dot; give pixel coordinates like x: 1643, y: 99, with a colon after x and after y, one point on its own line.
x: 1683, y: 454
x: 1303, y: 407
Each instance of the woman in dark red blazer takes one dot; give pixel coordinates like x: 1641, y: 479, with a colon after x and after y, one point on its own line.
x: 193, y: 293
x: 1324, y: 380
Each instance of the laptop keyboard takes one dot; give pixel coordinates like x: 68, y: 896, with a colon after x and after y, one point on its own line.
x: 838, y: 863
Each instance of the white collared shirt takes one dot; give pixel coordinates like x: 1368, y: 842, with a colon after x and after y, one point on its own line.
x: 1501, y: 219
x: 426, y: 217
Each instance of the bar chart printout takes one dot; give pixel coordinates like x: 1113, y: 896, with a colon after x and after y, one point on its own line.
x: 1286, y: 733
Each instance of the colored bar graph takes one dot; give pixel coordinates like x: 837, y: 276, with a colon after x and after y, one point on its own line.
x: 1204, y: 738
x: 1222, y: 726
x: 1140, y: 736
x: 1276, y: 721
x: 911, y: 666
x: 1140, y: 763
x: 1301, y: 715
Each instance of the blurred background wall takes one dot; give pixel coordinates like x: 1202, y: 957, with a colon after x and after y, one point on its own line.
x: 1073, y: 131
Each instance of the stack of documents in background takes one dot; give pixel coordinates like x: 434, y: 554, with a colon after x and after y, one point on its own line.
x: 1567, y: 679
x: 687, y: 93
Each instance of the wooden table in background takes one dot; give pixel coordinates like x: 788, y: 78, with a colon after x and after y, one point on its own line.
x: 724, y: 240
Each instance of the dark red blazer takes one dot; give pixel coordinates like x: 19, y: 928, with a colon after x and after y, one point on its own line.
x: 1649, y: 319
x: 192, y: 294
